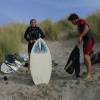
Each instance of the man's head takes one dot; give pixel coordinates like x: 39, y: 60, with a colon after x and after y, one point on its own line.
x: 33, y: 22
x: 73, y: 18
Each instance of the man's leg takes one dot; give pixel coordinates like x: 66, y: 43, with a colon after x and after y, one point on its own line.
x: 87, y: 53
x: 89, y: 67
x: 29, y: 52
x: 30, y: 45
x: 29, y: 62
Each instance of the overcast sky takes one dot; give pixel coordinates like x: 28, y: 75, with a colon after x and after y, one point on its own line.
x: 24, y: 10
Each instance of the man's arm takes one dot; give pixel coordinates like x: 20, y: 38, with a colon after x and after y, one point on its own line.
x: 41, y: 33
x: 86, y: 29
x: 26, y: 34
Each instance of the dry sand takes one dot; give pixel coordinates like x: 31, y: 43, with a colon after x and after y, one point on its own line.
x: 62, y: 86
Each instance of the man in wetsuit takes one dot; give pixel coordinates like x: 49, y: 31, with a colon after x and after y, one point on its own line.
x: 87, y: 38
x: 32, y: 33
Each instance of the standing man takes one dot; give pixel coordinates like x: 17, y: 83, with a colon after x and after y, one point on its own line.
x: 87, y: 38
x: 32, y: 33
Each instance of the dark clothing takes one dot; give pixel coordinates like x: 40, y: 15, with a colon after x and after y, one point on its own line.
x: 73, y: 62
x: 33, y: 33
x: 87, y: 49
x: 95, y: 58
x: 81, y: 25
x: 30, y: 45
x: 87, y: 38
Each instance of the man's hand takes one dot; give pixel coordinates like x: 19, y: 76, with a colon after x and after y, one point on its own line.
x: 32, y: 41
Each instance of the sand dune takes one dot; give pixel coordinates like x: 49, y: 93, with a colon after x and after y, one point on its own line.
x: 62, y: 86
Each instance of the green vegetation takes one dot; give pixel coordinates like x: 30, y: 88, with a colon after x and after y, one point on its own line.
x: 63, y: 25
x: 11, y: 35
x: 53, y: 30
x: 94, y: 21
x: 10, y: 39
x: 49, y: 29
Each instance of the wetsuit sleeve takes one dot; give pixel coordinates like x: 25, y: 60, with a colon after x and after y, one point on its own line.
x: 26, y: 34
x: 41, y: 33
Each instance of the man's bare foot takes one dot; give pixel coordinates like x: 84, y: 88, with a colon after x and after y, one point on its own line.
x: 89, y: 78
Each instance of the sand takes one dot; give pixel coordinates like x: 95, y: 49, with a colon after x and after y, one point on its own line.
x: 62, y: 86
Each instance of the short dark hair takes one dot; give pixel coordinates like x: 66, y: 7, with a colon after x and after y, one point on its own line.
x: 73, y: 16
x: 32, y: 20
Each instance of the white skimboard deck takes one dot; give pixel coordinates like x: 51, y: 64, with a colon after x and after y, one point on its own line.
x: 40, y: 63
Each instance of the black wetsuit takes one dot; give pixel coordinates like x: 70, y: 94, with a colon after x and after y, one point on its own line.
x: 33, y: 33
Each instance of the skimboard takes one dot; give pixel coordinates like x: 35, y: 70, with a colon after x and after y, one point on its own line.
x: 40, y: 63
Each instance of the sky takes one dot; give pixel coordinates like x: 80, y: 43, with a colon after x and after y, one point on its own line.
x: 24, y: 10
